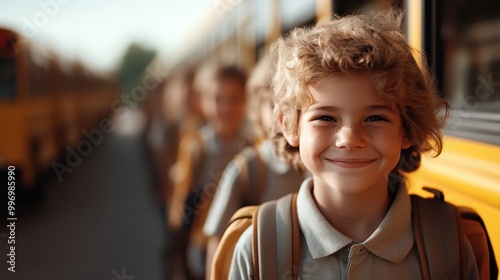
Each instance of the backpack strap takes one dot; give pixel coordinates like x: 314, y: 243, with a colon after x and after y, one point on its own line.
x: 260, y: 178
x: 439, y: 238
x: 252, y: 179
x: 241, y: 161
x: 190, y: 158
x: 295, y: 239
x: 276, y: 239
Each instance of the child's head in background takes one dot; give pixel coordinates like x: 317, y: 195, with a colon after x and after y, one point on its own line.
x: 260, y: 107
x: 222, y: 98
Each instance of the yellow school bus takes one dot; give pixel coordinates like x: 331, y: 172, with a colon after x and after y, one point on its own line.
x: 462, y: 43
x: 26, y: 113
x: 45, y: 105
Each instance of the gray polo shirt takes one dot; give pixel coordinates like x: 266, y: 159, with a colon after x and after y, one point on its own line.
x: 389, y: 253
x: 279, y: 179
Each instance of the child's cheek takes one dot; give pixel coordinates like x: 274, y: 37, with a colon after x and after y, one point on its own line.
x: 318, y: 138
x: 373, y: 133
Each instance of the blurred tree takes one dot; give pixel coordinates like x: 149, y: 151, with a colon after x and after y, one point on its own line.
x: 134, y: 62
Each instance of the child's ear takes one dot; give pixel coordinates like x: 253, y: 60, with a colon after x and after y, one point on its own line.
x: 291, y: 138
x: 405, y: 143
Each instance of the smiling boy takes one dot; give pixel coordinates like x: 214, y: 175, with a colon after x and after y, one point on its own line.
x: 358, y: 111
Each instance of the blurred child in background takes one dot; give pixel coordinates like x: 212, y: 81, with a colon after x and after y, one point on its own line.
x: 202, y: 157
x: 175, y: 112
x: 256, y: 174
x: 181, y: 106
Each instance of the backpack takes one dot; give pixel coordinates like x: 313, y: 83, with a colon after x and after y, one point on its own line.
x: 439, y: 241
x: 443, y: 234
x: 278, y: 216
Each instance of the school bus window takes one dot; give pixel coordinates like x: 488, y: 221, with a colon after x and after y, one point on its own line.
x: 7, y: 78
x: 479, y: 85
x: 471, y: 39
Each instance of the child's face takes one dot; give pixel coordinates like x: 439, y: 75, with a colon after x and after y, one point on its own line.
x: 350, y: 139
x: 223, y: 105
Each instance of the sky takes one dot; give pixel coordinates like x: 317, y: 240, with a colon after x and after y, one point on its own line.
x: 97, y: 32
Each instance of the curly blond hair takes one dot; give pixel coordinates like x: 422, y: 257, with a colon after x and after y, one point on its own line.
x: 358, y: 44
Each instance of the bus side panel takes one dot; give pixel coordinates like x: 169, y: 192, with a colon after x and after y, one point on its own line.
x: 14, y: 145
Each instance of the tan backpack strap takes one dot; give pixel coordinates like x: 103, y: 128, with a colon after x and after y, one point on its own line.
x: 276, y: 242
x: 461, y: 243
x: 241, y: 161
x: 252, y: 179
x: 191, y: 154
x: 437, y: 234
x: 260, y: 167
x: 295, y: 238
x: 255, y: 245
x: 266, y: 232
x: 419, y: 239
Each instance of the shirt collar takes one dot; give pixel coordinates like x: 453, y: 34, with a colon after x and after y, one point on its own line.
x: 321, y: 238
x: 392, y: 240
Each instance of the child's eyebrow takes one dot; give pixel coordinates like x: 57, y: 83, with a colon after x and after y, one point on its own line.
x: 376, y: 107
x: 322, y: 108
x: 381, y: 107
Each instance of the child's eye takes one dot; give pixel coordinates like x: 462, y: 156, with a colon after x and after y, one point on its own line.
x: 326, y: 119
x: 376, y: 118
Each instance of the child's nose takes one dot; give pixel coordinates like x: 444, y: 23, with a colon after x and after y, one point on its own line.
x: 350, y: 137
